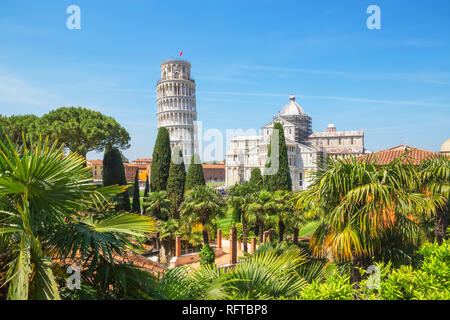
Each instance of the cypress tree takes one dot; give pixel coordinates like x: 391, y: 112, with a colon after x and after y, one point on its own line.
x: 136, y: 197
x: 147, y: 187
x: 114, y: 173
x: 177, y: 179
x: 195, y: 175
x: 161, y: 161
x: 256, y: 178
x: 281, y: 180
x: 146, y: 191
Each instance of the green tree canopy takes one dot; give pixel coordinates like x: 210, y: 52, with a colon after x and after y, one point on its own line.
x: 281, y: 180
x: 362, y: 206
x: 161, y: 161
x: 83, y: 130
x: 195, y: 175
x: 14, y: 126
x: 201, y: 204
x: 114, y: 174
x: 177, y: 178
x: 46, y: 213
x: 256, y: 178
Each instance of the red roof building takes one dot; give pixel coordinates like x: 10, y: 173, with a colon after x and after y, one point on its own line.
x: 214, y: 172
x: 415, y: 155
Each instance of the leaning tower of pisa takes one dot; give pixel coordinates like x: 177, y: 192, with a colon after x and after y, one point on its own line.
x: 176, y: 105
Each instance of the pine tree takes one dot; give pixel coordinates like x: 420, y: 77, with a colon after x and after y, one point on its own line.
x: 177, y: 180
x: 256, y: 178
x: 195, y: 175
x: 114, y: 174
x: 281, y: 180
x: 136, y: 197
x: 161, y: 161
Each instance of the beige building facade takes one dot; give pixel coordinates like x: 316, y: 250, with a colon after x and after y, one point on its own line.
x: 338, y: 143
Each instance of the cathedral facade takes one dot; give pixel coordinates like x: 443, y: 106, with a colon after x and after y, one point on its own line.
x: 303, y: 147
x: 176, y: 105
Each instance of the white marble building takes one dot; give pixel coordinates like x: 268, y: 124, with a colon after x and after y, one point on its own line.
x: 248, y: 152
x: 176, y: 105
x: 304, y: 147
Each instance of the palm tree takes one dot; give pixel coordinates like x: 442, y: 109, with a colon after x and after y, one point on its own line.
x: 363, y: 203
x: 240, y: 195
x: 46, y: 203
x: 201, y: 204
x: 283, y: 209
x: 158, y: 205
x: 435, y: 178
x: 259, y: 210
x: 168, y: 230
x: 267, y: 274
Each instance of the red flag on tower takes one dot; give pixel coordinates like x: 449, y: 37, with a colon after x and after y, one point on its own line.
x: 181, y: 53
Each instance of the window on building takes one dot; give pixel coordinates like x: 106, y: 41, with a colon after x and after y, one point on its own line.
x: 300, y: 179
x: 328, y: 141
x: 352, y: 140
x: 340, y: 140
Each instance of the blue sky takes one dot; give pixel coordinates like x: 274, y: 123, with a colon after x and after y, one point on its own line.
x: 247, y: 57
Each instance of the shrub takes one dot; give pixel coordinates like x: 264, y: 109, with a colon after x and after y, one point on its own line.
x: 431, y: 281
x: 207, y: 255
x: 194, y: 176
x: 338, y: 287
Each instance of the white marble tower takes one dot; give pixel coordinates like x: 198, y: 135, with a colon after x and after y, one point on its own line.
x: 176, y: 105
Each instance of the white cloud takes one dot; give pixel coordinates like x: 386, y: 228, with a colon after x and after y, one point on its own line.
x: 15, y: 93
x: 439, y: 78
x: 336, y: 98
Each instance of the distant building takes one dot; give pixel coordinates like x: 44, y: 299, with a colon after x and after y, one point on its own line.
x: 143, y: 165
x: 97, y: 169
x: 303, y: 147
x: 143, y: 161
x: 214, y: 172
x: 445, y: 148
x: 143, y: 171
x: 415, y: 155
x: 176, y: 105
x: 338, y: 143
x: 296, y: 123
x: 248, y: 152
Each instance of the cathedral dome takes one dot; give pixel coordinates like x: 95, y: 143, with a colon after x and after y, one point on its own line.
x: 445, y: 149
x: 292, y: 108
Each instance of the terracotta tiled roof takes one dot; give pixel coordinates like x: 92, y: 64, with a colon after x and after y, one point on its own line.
x: 132, y: 165
x: 415, y: 155
x: 143, y: 159
x: 94, y: 162
x: 213, y: 166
